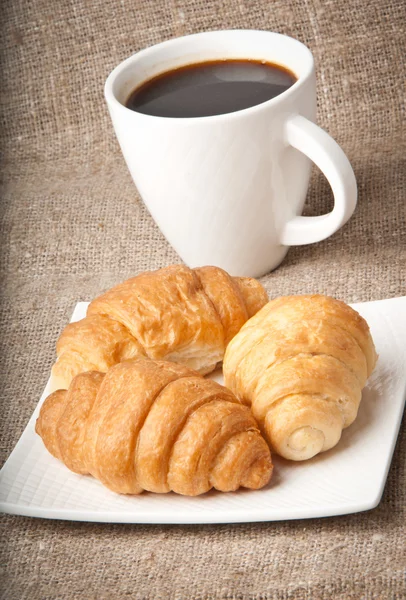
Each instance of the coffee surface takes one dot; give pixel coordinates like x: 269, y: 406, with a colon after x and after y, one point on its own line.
x: 210, y: 88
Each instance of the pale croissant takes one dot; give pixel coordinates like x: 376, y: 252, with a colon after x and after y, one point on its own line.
x: 301, y: 363
x: 178, y: 314
x: 157, y: 426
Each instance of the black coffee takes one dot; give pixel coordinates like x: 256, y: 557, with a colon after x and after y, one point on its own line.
x: 210, y: 88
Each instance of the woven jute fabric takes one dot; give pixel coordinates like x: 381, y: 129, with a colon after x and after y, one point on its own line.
x: 73, y: 225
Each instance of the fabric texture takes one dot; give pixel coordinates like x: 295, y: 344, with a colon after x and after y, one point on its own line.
x: 72, y: 225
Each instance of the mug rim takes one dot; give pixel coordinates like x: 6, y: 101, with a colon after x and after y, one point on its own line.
x: 112, y: 100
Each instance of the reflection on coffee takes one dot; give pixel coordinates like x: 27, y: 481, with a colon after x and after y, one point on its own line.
x: 210, y: 88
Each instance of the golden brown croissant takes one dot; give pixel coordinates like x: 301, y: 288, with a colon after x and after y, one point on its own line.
x: 178, y: 314
x: 157, y: 426
x: 301, y: 363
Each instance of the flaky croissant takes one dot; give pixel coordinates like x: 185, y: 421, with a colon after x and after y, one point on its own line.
x: 157, y: 426
x: 178, y: 314
x: 301, y: 363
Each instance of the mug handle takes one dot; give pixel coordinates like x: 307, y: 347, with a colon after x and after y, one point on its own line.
x: 314, y: 142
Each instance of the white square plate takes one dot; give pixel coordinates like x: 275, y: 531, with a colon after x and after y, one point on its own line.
x: 347, y: 479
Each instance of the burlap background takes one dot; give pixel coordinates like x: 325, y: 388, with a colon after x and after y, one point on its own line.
x: 72, y: 225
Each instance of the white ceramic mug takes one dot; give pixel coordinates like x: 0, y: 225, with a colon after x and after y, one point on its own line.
x: 228, y: 190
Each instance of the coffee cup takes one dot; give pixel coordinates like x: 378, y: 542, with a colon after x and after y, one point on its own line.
x: 229, y: 189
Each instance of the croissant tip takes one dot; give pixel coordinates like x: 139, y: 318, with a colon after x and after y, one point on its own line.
x: 306, y: 442
x: 259, y: 474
